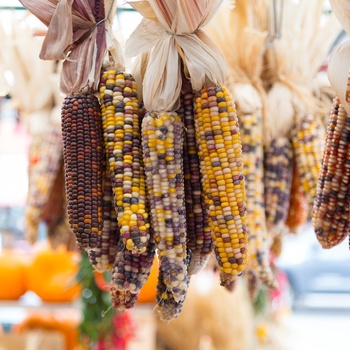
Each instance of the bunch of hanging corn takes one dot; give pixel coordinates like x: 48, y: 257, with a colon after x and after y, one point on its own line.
x: 331, y: 208
x: 122, y: 135
x: 84, y: 164
x: 42, y: 181
x: 221, y: 164
x: 199, y: 238
x: 278, y: 161
x: 308, y: 137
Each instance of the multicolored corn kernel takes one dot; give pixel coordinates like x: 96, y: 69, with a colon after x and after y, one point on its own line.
x: 221, y: 165
x: 278, y: 167
x: 122, y: 135
x: 297, y: 211
x: 84, y: 167
x: 331, y: 209
x: 42, y: 181
x: 308, y: 137
x: 162, y: 142
x: 167, y: 307
x: 103, y: 256
x: 122, y: 300
x: 198, y: 231
x: 251, y: 126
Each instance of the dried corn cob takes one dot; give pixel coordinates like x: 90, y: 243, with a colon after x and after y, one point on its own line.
x: 42, y: 180
x: 253, y: 284
x: 308, y: 141
x: 278, y: 162
x: 167, y: 307
x: 331, y: 209
x: 83, y: 163
x: 297, y: 211
x: 61, y: 233
x: 103, y: 256
x: 252, y: 146
x: 122, y: 300
x: 162, y: 141
x: 198, y: 230
x: 120, y: 115
x: 221, y: 164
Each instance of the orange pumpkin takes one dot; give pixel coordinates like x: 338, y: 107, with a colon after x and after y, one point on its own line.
x: 52, y: 275
x: 148, y: 291
x: 12, y: 275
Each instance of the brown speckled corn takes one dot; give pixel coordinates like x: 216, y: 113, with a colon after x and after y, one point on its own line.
x: 84, y: 164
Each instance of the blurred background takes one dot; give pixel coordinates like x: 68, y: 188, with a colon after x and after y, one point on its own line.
x: 49, y: 296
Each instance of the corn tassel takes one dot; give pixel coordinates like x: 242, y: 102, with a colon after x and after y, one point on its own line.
x: 331, y: 209
x: 121, y: 125
x: 83, y: 163
x: 221, y: 164
x: 308, y: 141
x: 162, y: 141
x: 258, y: 242
x: 198, y: 230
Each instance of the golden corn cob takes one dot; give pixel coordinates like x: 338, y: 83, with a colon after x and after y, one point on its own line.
x: 198, y: 230
x: 331, y: 208
x: 84, y: 164
x: 221, y: 164
x: 167, y: 308
x: 297, y: 211
x: 308, y: 141
x: 103, y: 256
x: 258, y: 244
x: 162, y: 141
x: 278, y: 163
x: 121, y: 125
x: 42, y: 182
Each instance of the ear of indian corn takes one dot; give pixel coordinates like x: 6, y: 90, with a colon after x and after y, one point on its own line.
x: 278, y: 169
x: 297, y: 211
x: 130, y: 272
x: 162, y: 141
x: 221, y: 164
x: 84, y: 164
x: 308, y: 138
x: 103, y: 256
x: 121, y: 125
x: 251, y: 127
x: 199, y: 239
x: 42, y: 182
x: 253, y: 284
x: 331, y: 208
x: 167, y: 307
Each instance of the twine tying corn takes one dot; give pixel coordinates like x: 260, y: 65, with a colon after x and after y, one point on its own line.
x: 162, y: 141
x: 198, y: 230
x: 331, y: 208
x: 122, y: 134
x: 83, y: 163
x: 221, y: 165
x: 102, y: 257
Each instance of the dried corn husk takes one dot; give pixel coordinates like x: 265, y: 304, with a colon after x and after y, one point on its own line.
x: 172, y: 34
x: 73, y: 35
